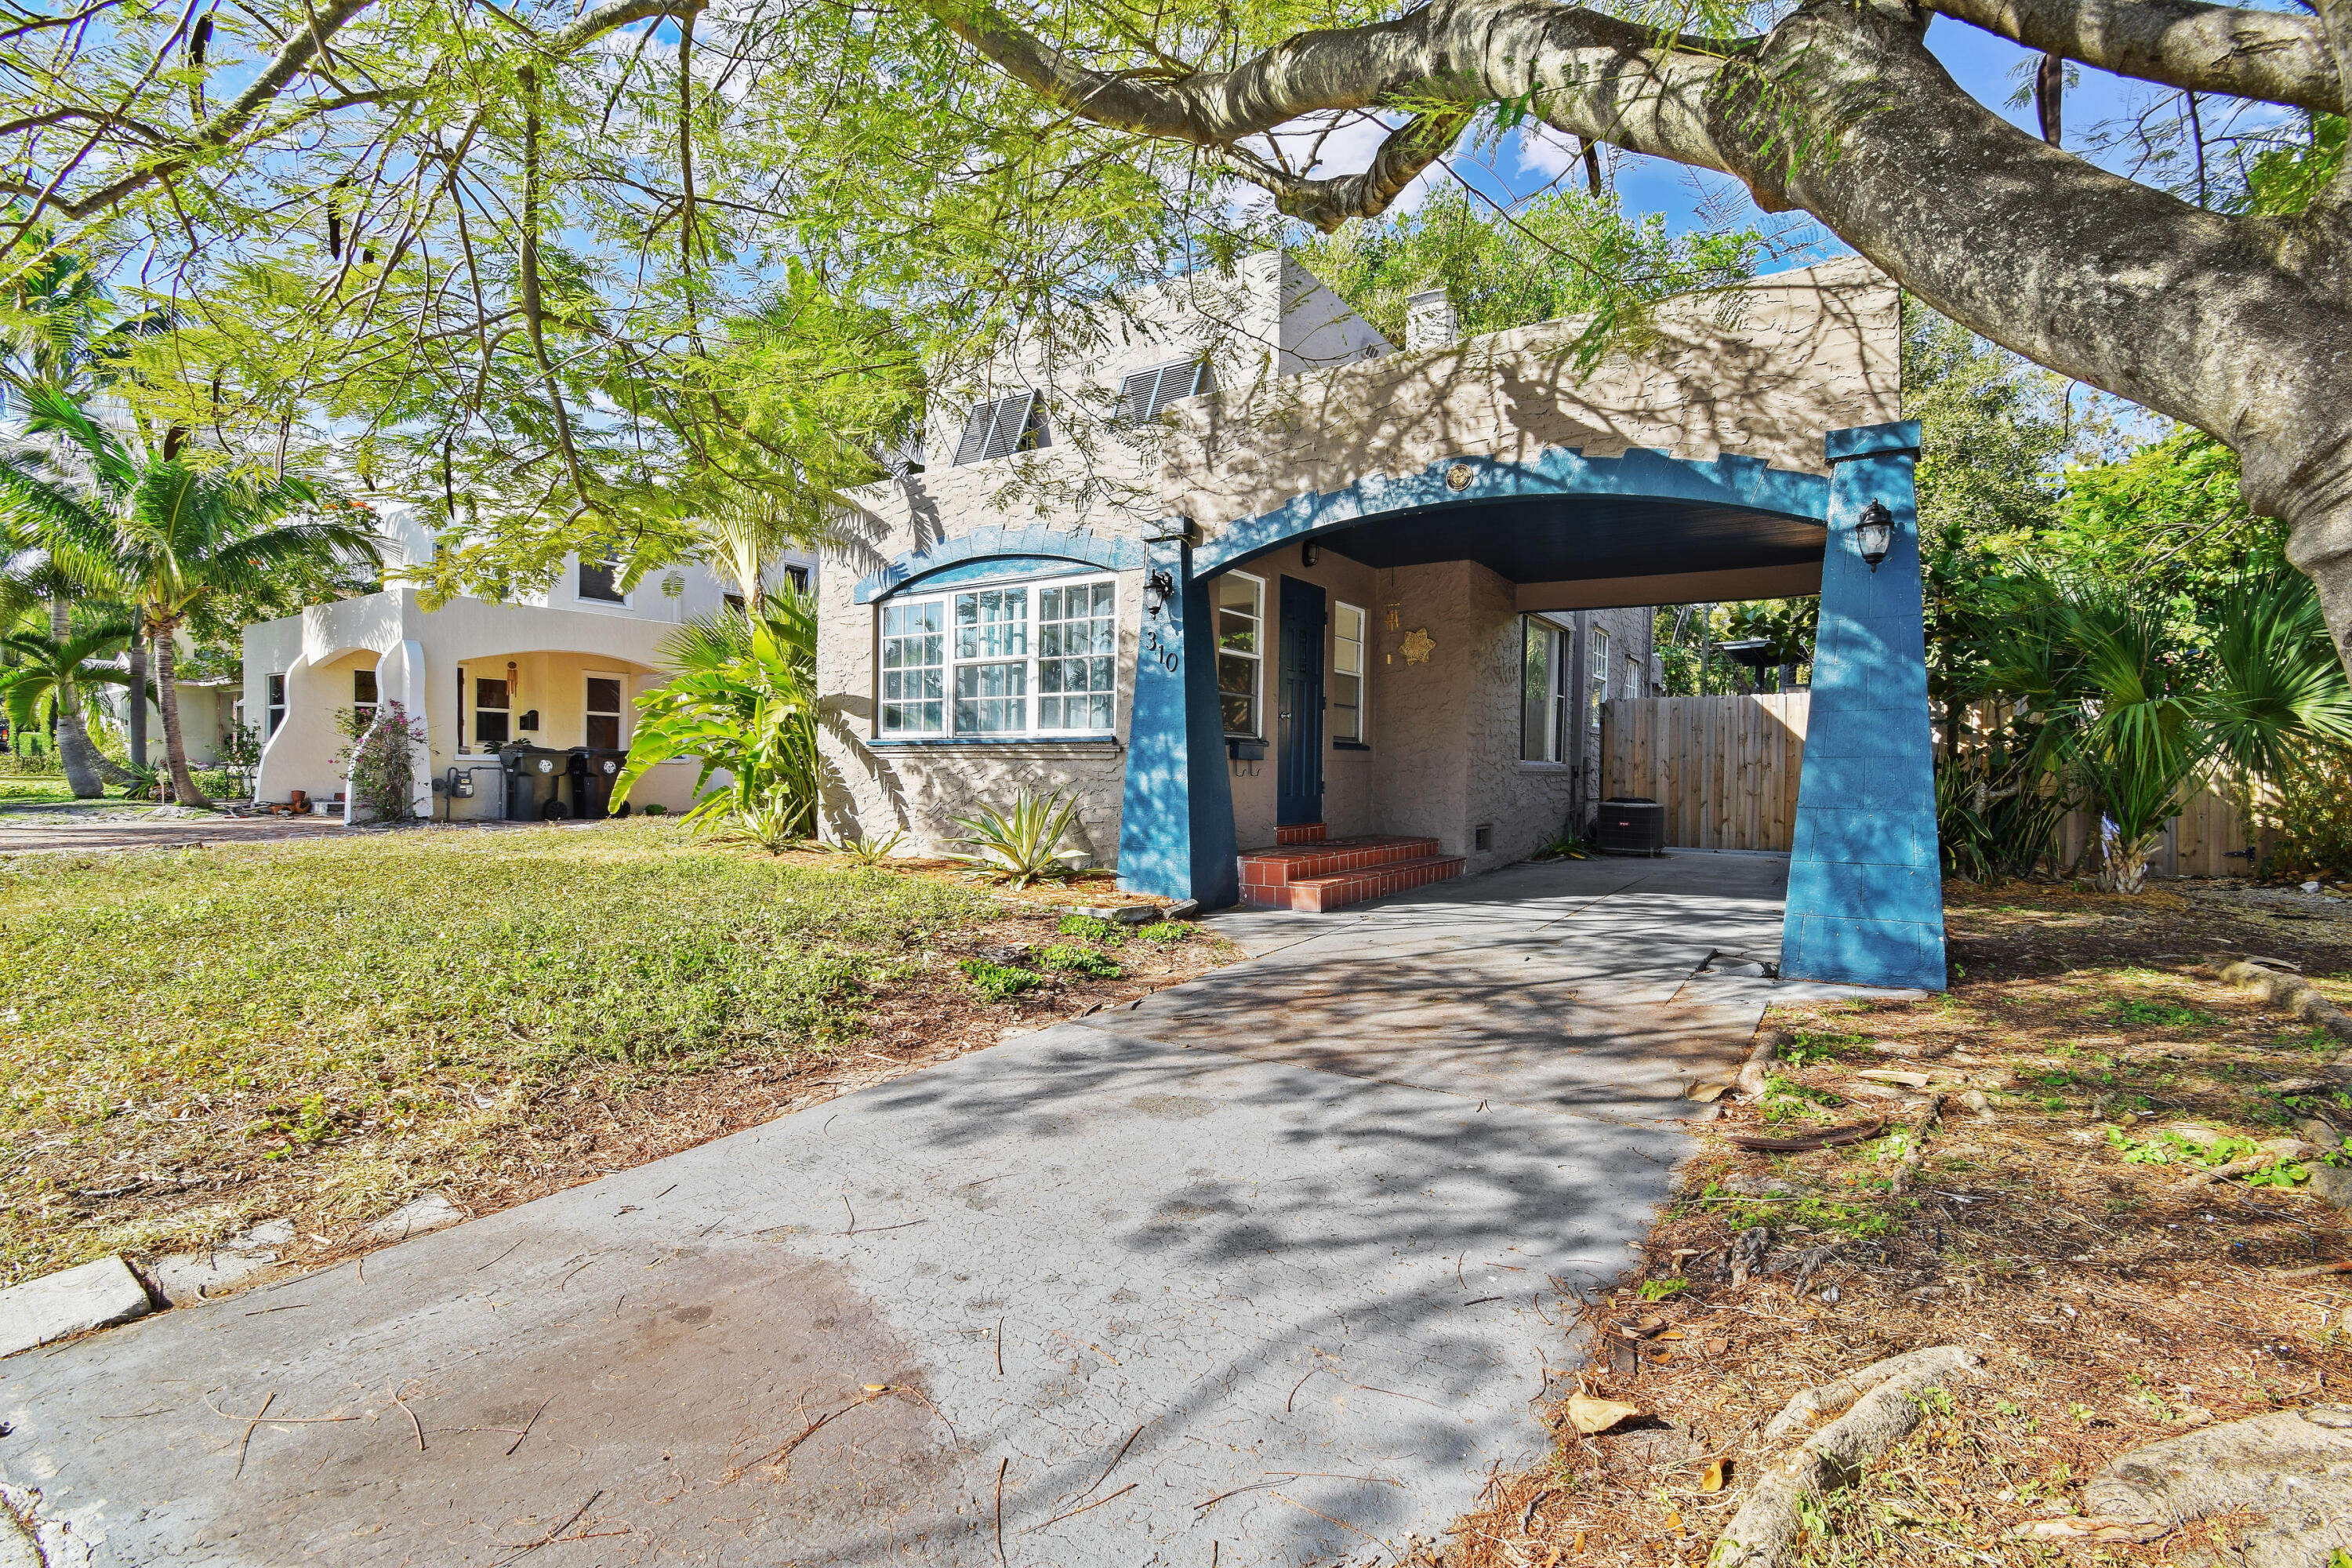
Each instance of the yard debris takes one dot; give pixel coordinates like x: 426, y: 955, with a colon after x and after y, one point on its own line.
x: 1593, y: 1416
x: 1827, y: 1138
x: 1891, y: 1075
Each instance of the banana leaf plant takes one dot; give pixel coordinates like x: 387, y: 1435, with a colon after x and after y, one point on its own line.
x: 744, y: 703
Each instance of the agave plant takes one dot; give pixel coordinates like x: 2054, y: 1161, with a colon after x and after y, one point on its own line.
x: 773, y: 822
x: 1023, y: 844
x: 872, y: 851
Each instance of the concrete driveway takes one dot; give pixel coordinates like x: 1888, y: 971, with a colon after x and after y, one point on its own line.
x: 1265, y: 1270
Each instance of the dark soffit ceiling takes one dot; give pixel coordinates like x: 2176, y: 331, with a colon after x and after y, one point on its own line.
x: 1549, y: 539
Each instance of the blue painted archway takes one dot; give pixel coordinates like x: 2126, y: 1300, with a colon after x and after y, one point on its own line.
x: 1864, y: 896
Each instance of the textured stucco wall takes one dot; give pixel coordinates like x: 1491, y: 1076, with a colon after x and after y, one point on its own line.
x: 1760, y: 373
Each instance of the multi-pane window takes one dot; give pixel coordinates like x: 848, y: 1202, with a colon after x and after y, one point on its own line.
x: 1078, y: 648
x: 1142, y: 396
x: 992, y: 673
x: 1031, y: 658
x: 277, y: 702
x: 1347, y: 672
x: 600, y: 580
x: 1600, y: 689
x: 1632, y: 677
x: 914, y: 679
x: 1543, y: 672
x: 489, y: 713
x: 363, y: 696
x: 604, y: 712
x: 1241, y: 652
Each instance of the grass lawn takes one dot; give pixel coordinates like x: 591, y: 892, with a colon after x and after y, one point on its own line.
x: 194, y: 1040
x: 2114, y: 1299
x: 41, y: 789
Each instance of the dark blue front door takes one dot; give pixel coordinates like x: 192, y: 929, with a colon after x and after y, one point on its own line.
x: 1298, y: 756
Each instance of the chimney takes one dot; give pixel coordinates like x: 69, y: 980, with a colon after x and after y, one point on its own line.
x: 1429, y: 320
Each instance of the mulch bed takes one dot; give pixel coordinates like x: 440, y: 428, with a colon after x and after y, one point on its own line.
x: 2112, y: 1303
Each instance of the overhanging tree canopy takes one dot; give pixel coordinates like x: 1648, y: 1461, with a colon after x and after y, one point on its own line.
x: 497, y: 242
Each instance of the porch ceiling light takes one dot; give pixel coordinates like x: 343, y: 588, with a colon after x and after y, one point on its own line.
x: 1873, y: 533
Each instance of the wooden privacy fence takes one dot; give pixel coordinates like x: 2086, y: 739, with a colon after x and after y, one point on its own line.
x: 1723, y: 767
x: 1726, y: 769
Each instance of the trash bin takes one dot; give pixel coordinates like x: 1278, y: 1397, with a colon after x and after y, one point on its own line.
x: 534, y: 778
x: 594, y: 769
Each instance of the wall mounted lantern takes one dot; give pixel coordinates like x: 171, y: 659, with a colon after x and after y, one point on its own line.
x: 1873, y: 533
x: 1159, y: 587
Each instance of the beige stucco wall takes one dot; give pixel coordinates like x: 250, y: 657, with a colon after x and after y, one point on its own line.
x: 1762, y: 373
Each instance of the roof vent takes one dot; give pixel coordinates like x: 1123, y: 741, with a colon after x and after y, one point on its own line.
x: 1429, y: 320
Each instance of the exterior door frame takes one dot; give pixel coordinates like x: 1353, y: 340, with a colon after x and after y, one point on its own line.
x: 1305, y: 617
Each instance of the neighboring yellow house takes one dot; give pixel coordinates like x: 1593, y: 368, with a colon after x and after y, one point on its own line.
x: 559, y: 671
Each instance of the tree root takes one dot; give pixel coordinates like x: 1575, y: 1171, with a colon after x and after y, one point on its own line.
x: 2292, y: 992
x: 2294, y: 1467
x: 1770, y: 1043
x: 1881, y: 1404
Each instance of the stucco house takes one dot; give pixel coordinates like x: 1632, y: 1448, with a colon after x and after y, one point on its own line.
x: 1407, y: 718
x: 1303, y: 617
x: 558, y: 669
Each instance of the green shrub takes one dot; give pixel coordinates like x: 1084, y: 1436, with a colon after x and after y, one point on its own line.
x: 35, y: 765
x: 657, y: 809
x: 1080, y: 961
x: 1110, y: 934
x: 999, y: 982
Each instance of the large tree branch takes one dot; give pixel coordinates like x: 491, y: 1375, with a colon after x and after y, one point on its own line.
x: 1452, y: 49
x: 2270, y: 55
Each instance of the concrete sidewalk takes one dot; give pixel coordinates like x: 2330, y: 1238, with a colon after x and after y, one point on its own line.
x: 1264, y: 1271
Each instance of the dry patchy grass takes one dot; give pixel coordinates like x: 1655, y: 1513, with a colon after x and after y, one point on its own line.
x: 194, y: 1040
x: 2112, y: 1302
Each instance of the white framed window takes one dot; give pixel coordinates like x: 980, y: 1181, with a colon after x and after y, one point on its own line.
x: 914, y: 668
x: 1078, y: 655
x: 1028, y: 658
x: 1632, y: 677
x: 277, y: 702
x: 1599, y: 691
x: 599, y: 581
x: 1347, y: 672
x: 604, y: 709
x: 1143, y: 395
x: 1240, y: 653
x: 363, y: 695
x: 1543, y: 684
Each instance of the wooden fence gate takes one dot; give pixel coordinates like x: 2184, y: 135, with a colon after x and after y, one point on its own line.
x: 1726, y: 769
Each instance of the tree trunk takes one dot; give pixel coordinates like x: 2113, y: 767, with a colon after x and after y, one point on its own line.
x: 167, y: 697
x: 75, y: 750
x: 137, y: 714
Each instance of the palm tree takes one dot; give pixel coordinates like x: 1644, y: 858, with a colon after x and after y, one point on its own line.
x: 60, y: 670
x: 2127, y: 704
x: 168, y: 537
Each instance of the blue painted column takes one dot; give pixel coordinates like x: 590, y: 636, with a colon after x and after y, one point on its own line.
x: 1176, y: 827
x: 1865, y: 896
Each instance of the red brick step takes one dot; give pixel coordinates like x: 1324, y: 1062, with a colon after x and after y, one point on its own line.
x: 1341, y: 871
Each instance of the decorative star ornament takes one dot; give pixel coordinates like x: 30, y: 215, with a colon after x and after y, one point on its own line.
x: 1418, y: 646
